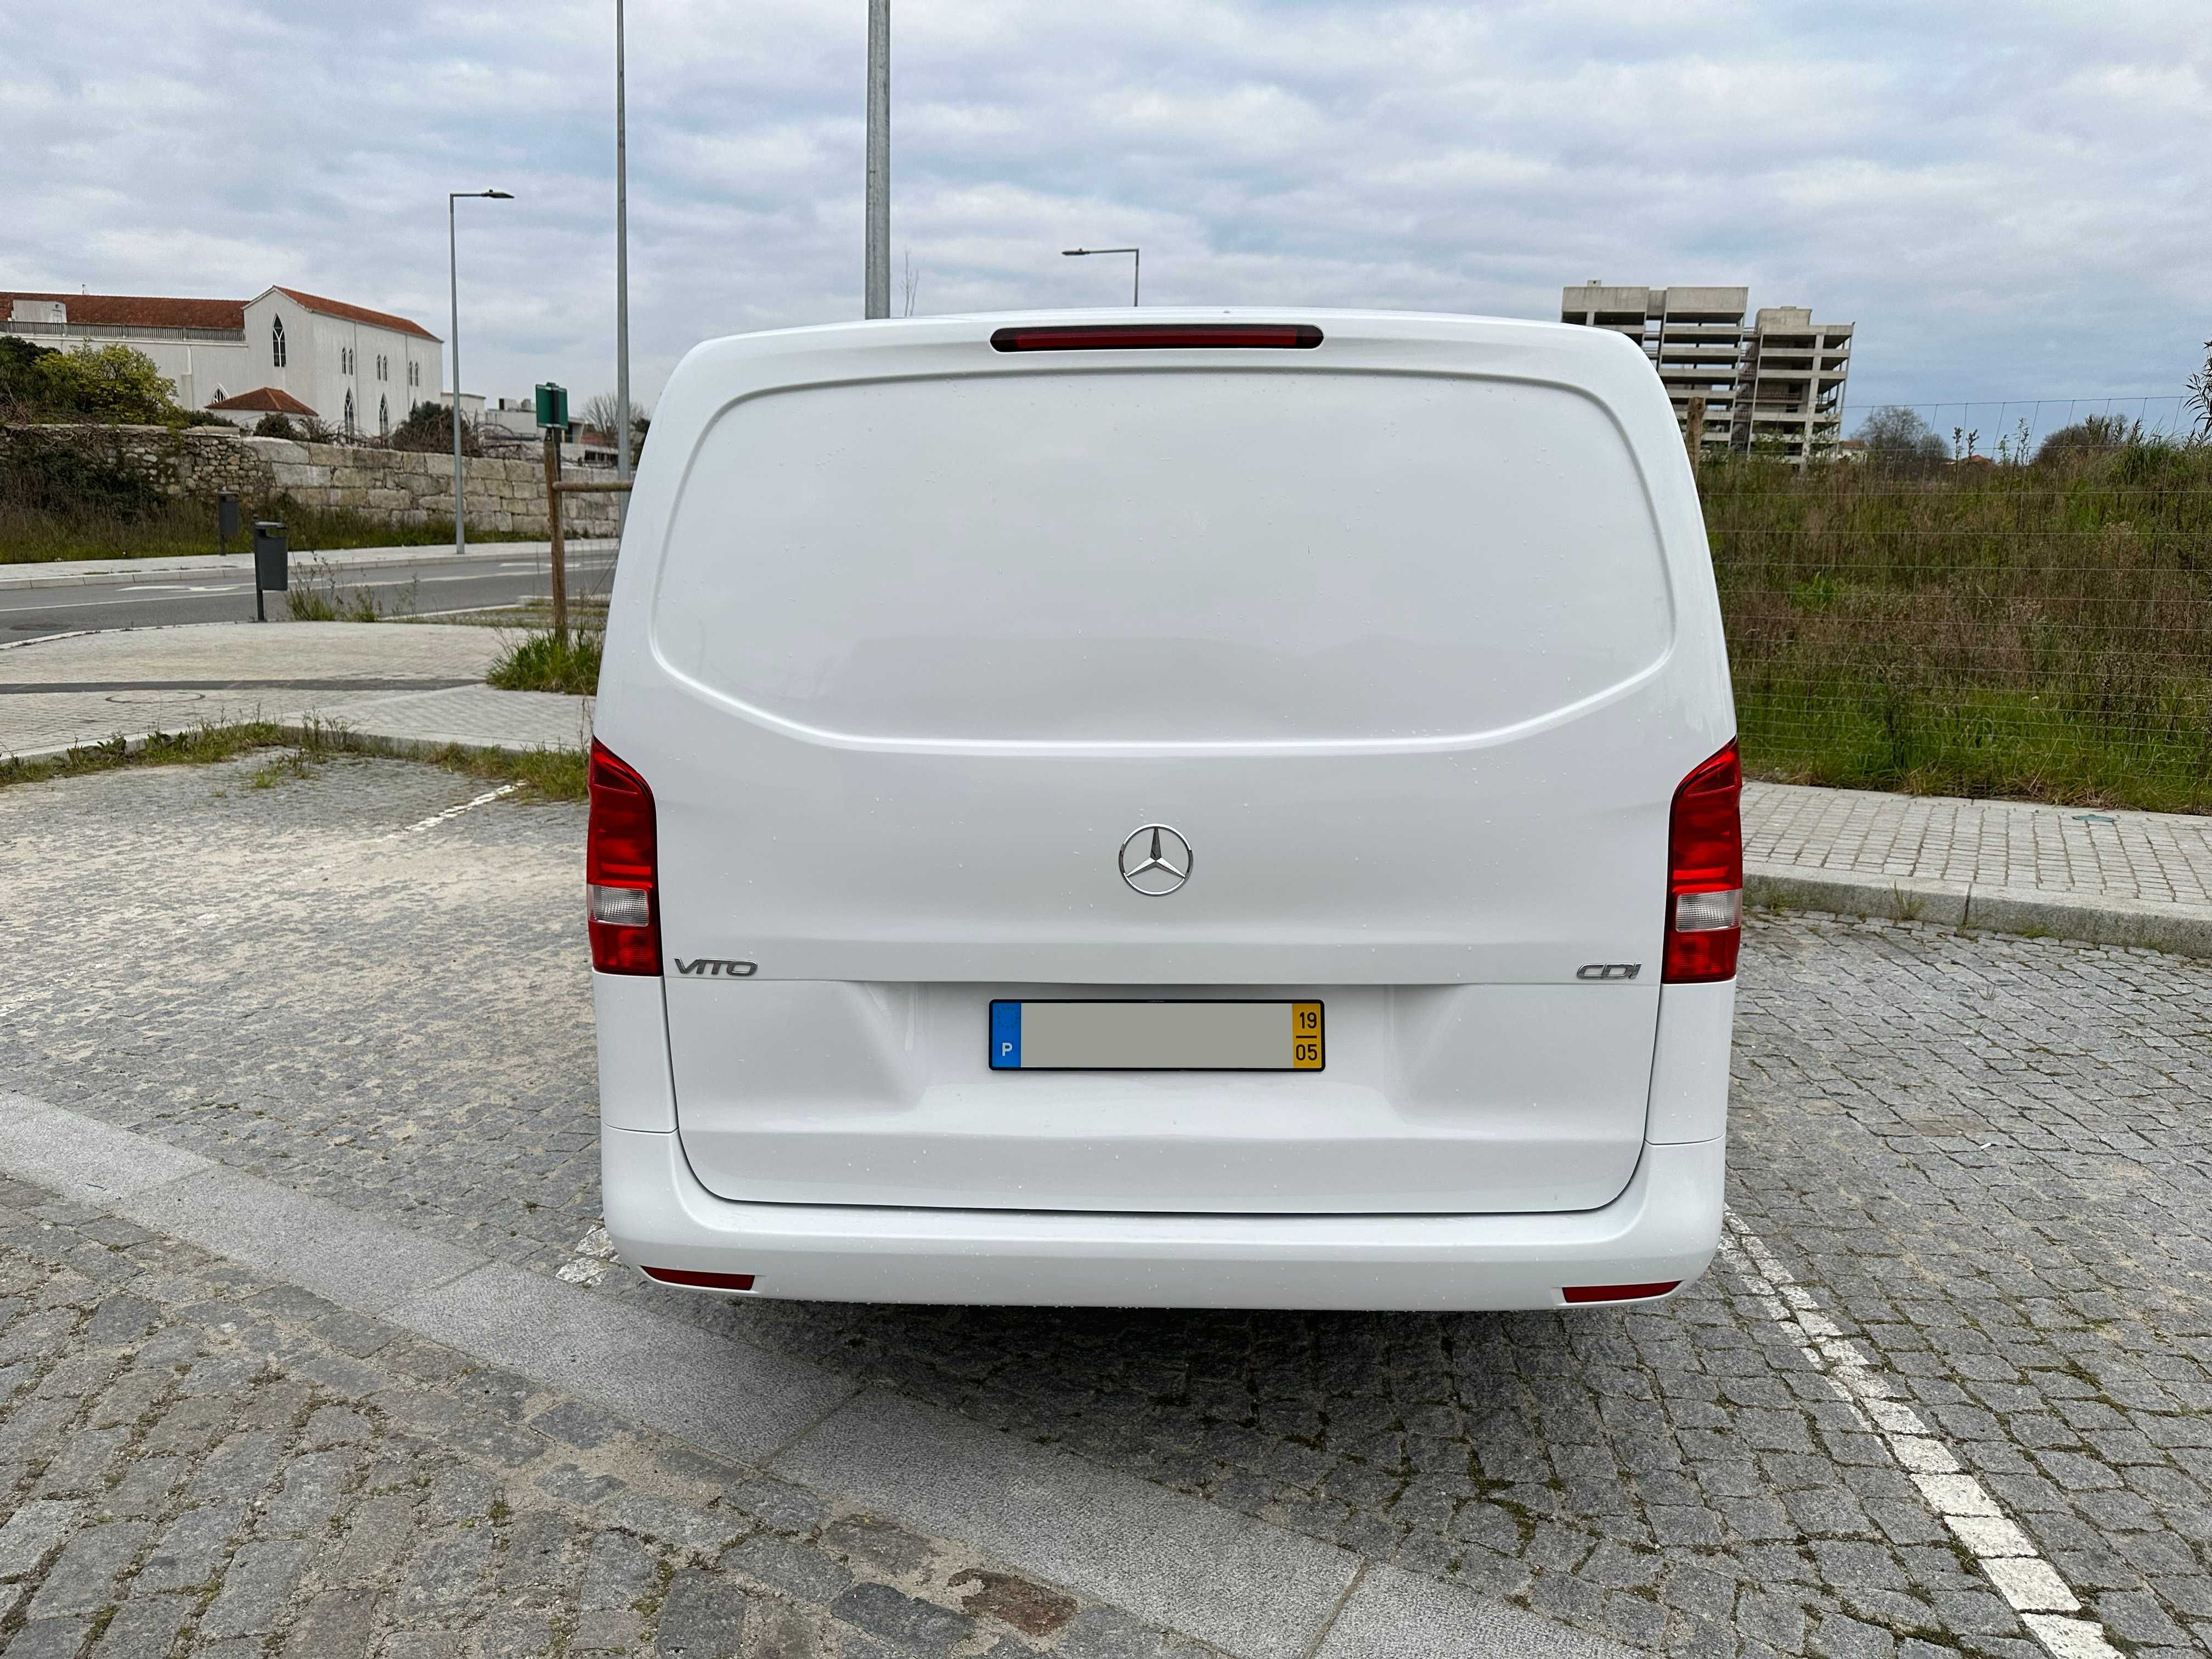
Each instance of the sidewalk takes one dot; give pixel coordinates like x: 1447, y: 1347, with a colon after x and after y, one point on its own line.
x: 261, y: 1415
x: 412, y: 687
x: 2112, y: 877
x: 79, y: 573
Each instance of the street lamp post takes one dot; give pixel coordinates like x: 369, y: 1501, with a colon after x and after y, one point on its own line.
x: 877, y: 236
x: 454, y: 280
x: 1136, y: 266
x: 622, y: 278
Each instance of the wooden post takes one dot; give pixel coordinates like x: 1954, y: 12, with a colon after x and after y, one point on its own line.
x: 557, y: 560
x: 1694, y: 431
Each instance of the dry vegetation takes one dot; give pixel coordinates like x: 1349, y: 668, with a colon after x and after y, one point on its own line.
x: 2040, y: 631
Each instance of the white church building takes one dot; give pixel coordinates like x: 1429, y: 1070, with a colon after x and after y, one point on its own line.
x: 361, y: 370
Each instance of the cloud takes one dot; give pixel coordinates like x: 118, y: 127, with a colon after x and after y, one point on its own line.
x: 2011, y: 211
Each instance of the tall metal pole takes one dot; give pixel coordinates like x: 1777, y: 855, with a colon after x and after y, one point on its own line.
x: 622, y: 277
x: 454, y: 277
x: 879, y: 160
x: 1136, y: 267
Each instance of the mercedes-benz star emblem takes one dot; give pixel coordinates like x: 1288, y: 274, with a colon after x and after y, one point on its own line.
x: 1155, y: 861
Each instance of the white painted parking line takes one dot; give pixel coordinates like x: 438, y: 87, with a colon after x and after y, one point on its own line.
x: 452, y: 813
x: 2028, y: 1581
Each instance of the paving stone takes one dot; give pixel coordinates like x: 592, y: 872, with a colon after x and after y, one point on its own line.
x: 910, y: 1625
x: 702, y: 1619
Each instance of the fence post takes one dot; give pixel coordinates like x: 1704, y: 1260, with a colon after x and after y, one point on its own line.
x: 557, y: 560
x: 1694, y: 432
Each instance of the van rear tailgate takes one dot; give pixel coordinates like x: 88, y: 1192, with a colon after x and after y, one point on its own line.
x: 1435, y: 1099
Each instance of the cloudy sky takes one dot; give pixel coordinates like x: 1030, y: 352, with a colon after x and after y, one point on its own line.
x: 2010, y: 202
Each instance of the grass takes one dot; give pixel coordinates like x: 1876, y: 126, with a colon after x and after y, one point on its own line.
x: 550, y: 774
x: 2036, y: 632
x: 180, y: 529
x: 549, y: 662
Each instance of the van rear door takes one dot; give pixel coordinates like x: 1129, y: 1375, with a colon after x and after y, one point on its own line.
x: 1408, y: 635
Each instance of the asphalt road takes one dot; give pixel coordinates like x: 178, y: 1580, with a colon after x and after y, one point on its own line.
x: 427, y: 587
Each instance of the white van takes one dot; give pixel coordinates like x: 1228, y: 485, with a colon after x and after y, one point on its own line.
x: 1167, y: 808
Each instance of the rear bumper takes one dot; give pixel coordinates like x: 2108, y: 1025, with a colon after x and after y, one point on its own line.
x: 1665, y: 1226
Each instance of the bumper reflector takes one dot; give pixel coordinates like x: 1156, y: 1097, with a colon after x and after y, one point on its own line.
x: 704, y: 1281
x: 1604, y: 1292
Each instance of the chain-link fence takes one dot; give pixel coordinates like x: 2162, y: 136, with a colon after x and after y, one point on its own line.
x: 2000, y: 625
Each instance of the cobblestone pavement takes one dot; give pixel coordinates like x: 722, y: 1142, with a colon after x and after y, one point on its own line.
x: 2165, y: 857
x: 195, y: 1459
x: 1986, y: 1160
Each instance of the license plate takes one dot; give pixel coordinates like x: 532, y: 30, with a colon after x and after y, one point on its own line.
x: 1156, y: 1036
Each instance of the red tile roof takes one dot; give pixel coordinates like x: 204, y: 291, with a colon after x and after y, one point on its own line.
x: 268, y: 399
x: 138, y: 311
x: 357, y: 313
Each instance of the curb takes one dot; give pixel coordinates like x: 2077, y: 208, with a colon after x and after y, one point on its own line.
x: 1253, y: 1588
x: 2102, y: 919
x: 127, y: 572
x: 297, y: 728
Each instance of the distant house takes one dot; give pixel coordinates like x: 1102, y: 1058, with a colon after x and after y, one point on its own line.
x: 247, y: 408
x: 361, y: 370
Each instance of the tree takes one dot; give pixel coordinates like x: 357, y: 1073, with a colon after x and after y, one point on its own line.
x: 1898, y: 438
x: 428, y: 429
x: 601, y: 413
x: 108, y: 383
x: 2095, y: 435
x: 2200, y: 392
x: 21, y: 385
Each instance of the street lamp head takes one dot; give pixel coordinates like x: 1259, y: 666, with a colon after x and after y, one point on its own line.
x: 1070, y: 252
x: 499, y: 196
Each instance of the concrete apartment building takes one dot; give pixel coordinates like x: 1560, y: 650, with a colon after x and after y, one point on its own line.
x: 1776, y: 380
x: 283, y: 350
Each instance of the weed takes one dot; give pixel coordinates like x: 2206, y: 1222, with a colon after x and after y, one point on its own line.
x: 89, y: 524
x: 550, y: 774
x: 2035, y: 629
x: 549, y: 662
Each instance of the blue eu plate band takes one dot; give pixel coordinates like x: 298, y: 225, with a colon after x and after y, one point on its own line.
x: 1006, y: 1036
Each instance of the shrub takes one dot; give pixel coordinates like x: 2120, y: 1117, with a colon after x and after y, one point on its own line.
x: 2099, y: 434
x: 107, y: 383
x: 45, y: 478
x: 1899, y: 440
x: 273, y: 425
x: 429, y: 427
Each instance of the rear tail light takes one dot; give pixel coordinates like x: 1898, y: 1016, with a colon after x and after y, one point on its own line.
x: 1585, y: 1293
x: 622, y: 868
x: 1128, y: 337
x: 1704, y: 873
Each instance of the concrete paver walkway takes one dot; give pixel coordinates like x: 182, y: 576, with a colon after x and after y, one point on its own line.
x: 412, y: 684
x: 2166, y: 857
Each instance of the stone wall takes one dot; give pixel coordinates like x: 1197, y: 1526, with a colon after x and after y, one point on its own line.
x: 392, y: 486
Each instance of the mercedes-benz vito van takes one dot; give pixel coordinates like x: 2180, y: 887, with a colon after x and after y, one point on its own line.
x: 1173, y: 808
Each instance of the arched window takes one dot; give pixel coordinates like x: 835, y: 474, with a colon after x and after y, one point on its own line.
x: 348, y: 411
x: 220, y: 394
x: 276, y: 342
x: 384, y: 418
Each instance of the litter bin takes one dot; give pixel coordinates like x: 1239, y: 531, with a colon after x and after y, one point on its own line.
x: 271, y: 564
